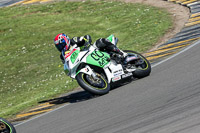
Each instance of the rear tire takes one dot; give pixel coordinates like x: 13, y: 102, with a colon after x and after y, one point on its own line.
x: 142, y: 70
x: 100, y: 88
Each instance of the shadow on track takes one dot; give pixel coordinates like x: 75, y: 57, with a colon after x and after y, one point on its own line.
x: 74, y: 97
x: 82, y: 95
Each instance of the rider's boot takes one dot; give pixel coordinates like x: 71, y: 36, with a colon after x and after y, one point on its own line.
x: 118, y: 54
x: 126, y: 59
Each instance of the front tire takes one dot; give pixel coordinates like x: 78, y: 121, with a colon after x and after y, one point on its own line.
x: 6, y: 126
x: 142, y: 69
x: 97, y: 87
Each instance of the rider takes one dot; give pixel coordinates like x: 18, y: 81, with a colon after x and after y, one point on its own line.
x: 63, y: 44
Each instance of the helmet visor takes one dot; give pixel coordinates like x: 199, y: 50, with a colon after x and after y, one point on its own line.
x: 60, y: 46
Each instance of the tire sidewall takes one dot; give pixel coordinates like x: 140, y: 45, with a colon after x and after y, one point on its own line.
x: 8, y: 124
x: 91, y: 89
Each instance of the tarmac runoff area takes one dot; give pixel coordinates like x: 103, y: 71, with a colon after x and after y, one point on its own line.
x: 186, y: 37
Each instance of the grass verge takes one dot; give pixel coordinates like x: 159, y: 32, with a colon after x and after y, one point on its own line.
x: 29, y: 62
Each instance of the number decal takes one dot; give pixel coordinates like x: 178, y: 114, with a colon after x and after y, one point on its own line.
x: 94, y: 56
x: 99, y: 56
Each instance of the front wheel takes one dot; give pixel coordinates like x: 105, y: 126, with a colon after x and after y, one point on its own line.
x: 142, y: 65
x: 6, y: 126
x: 98, y: 86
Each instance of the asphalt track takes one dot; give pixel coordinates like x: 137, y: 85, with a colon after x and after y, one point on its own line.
x: 168, y: 101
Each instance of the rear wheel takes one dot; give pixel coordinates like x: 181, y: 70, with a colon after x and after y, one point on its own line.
x: 98, y: 86
x: 142, y: 65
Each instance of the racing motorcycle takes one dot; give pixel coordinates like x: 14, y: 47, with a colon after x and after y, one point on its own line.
x: 6, y: 126
x: 95, y: 71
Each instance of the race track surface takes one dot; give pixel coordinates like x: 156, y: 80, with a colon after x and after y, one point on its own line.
x: 168, y: 101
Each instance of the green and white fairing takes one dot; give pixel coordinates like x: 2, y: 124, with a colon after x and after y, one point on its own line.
x: 94, y: 70
x: 98, y: 58
x: 92, y: 56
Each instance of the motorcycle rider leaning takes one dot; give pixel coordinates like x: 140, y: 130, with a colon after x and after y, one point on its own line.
x: 63, y: 44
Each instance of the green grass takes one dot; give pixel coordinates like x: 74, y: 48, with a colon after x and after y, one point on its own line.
x: 29, y: 61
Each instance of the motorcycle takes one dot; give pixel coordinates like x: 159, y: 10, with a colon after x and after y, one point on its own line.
x: 95, y: 71
x: 6, y: 126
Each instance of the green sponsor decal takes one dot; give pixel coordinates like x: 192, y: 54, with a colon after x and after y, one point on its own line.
x: 98, y: 58
x: 74, y: 56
